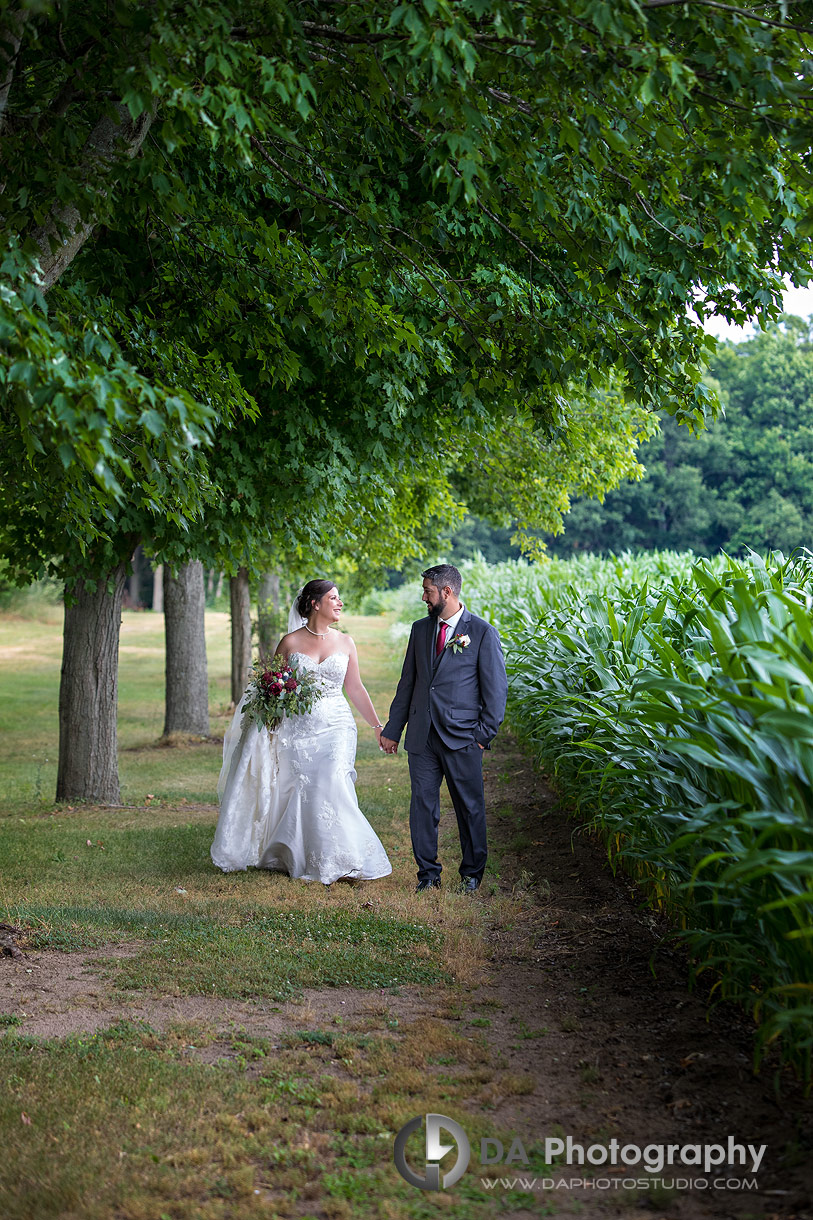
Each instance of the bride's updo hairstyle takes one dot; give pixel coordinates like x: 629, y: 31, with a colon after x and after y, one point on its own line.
x: 312, y: 593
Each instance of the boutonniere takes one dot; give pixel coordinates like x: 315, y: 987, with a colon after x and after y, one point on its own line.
x: 458, y: 642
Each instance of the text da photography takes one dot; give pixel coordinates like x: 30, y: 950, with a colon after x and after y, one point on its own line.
x: 442, y: 1135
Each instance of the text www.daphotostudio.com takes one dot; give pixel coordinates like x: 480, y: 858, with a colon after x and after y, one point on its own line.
x: 721, y: 1160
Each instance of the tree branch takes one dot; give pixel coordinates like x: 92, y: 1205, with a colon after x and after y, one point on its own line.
x: 65, y: 231
x: 399, y: 254
x: 371, y: 37
x: 731, y: 8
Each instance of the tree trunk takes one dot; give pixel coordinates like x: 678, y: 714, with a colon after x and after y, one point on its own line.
x: 240, y: 598
x: 158, y: 588
x: 187, y: 686
x: 134, y: 581
x: 65, y: 231
x: 268, y: 613
x: 88, y: 692
x: 219, y: 588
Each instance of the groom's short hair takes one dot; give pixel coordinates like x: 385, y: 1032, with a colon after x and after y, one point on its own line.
x: 443, y: 574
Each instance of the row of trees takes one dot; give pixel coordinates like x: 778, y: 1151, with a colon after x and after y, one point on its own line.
x: 745, y: 481
x: 302, y: 279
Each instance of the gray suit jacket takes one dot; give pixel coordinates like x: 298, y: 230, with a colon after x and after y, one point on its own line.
x: 462, y: 693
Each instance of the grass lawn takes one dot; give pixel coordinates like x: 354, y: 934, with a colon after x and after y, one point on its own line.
x: 153, y: 1119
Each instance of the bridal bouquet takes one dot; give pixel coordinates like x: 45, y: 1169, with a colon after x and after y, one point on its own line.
x: 279, y: 689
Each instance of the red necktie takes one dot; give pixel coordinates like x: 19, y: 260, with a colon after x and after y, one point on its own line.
x: 441, y: 644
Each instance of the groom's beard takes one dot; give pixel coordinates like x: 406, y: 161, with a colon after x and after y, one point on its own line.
x: 436, y: 610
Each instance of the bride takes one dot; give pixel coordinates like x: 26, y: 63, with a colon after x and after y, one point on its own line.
x: 288, y: 801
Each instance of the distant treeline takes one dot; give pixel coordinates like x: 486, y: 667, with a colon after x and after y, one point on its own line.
x: 746, y: 481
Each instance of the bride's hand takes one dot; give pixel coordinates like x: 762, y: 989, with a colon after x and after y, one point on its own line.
x: 378, y: 729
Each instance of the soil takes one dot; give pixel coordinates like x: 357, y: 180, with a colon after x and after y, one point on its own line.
x: 630, y: 1050
x: 585, y: 996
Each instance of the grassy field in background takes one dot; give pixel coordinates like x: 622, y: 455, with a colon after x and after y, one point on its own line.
x: 30, y: 659
x: 129, y: 1121
x: 85, y: 876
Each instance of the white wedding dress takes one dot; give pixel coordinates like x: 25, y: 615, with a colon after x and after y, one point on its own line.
x: 288, y: 799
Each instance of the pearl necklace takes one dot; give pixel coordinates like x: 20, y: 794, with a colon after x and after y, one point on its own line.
x: 320, y: 634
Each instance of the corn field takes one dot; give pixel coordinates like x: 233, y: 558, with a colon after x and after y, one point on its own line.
x: 672, y: 700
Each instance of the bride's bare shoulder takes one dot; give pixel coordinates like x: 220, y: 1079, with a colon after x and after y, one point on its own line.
x: 290, y: 642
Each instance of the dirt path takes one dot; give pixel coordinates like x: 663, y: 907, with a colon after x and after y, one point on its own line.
x: 629, y: 1051
x: 582, y: 1004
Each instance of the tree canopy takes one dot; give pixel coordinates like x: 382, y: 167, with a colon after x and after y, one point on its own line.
x: 344, y: 233
x: 745, y: 482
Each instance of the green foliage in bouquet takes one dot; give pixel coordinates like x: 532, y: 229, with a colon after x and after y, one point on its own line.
x: 278, y: 690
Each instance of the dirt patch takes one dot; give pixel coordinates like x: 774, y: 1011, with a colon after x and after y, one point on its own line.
x: 56, y: 994
x: 589, y: 1000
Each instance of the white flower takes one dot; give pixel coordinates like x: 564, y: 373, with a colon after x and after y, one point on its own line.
x: 464, y: 640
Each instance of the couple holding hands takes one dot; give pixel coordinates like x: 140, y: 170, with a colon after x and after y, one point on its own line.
x: 288, y: 800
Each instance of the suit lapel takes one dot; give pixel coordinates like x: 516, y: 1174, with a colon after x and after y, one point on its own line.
x: 430, y: 641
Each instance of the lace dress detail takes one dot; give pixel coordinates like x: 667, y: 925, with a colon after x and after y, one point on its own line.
x: 289, y: 803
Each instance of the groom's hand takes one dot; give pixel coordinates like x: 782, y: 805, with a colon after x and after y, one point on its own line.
x: 388, y: 745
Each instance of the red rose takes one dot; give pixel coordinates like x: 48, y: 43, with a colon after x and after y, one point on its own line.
x: 291, y: 684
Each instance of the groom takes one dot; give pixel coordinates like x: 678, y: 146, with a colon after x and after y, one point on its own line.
x: 452, y: 691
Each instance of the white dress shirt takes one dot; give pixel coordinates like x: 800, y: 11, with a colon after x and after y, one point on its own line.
x: 451, y: 623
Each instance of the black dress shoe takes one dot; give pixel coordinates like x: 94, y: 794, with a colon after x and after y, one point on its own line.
x: 468, y: 885
x: 429, y: 884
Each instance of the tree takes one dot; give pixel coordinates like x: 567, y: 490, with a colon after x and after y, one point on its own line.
x: 466, y: 207
x: 521, y: 476
x: 630, y: 154
x: 744, y: 482
x: 88, y: 692
x: 240, y: 600
x: 765, y: 487
x: 268, y: 612
x: 187, y: 684
x: 476, y: 536
x: 158, y: 588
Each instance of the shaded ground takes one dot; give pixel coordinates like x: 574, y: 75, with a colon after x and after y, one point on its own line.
x: 628, y: 1050
x: 586, y: 1014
